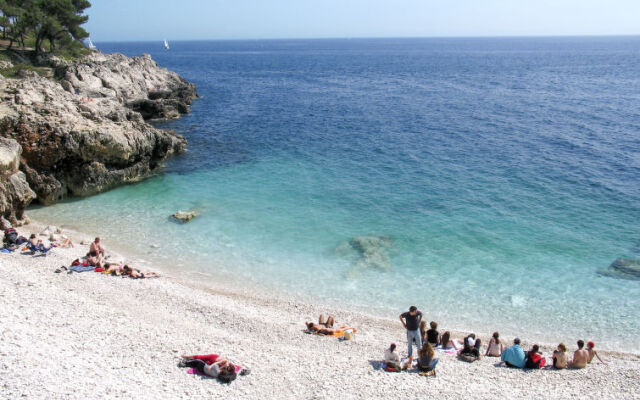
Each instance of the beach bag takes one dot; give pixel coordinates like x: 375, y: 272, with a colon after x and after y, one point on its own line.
x: 11, y: 236
x: 349, y: 334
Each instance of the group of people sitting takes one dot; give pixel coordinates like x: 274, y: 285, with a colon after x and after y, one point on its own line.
x: 516, y: 357
x: 94, y: 260
x: 96, y: 256
x: 470, y: 349
x: 13, y: 241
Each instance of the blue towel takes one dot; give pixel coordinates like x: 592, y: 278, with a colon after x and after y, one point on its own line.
x: 80, y: 268
x: 5, y: 250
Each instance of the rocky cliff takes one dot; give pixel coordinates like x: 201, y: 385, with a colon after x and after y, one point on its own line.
x: 81, y: 129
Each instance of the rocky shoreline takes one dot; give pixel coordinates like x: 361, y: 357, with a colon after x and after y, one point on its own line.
x: 81, y: 128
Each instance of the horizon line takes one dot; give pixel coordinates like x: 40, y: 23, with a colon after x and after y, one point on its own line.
x: 376, y: 37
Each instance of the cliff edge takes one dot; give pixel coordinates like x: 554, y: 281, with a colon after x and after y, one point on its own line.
x: 80, y: 128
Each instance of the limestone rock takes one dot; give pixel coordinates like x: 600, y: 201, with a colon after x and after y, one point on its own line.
x: 85, y: 132
x: 15, y: 194
x: 185, y: 216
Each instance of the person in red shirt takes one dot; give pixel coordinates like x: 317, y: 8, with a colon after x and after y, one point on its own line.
x: 534, y: 358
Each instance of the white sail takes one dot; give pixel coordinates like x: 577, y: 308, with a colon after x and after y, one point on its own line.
x: 91, y: 45
x: 166, y: 44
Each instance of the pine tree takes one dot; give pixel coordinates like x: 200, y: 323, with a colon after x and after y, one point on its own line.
x: 59, y: 22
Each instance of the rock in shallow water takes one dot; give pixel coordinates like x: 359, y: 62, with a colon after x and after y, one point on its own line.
x: 623, y: 268
x: 370, y: 253
x: 185, y: 216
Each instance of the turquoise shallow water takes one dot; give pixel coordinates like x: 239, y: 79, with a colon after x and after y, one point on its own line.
x: 502, y: 173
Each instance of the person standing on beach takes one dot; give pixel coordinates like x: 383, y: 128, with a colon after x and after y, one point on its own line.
x: 411, y: 322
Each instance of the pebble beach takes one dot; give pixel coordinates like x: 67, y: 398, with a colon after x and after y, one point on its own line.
x: 89, y: 335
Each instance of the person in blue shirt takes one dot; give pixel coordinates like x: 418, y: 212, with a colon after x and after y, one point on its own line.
x: 514, y: 356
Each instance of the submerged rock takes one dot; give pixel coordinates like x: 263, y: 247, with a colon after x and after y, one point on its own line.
x: 367, y: 252
x: 185, y: 216
x: 623, y: 268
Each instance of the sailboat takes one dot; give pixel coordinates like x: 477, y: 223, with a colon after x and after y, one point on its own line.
x: 166, y: 45
x: 91, y: 45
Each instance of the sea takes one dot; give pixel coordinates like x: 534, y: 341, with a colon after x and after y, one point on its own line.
x: 488, y: 181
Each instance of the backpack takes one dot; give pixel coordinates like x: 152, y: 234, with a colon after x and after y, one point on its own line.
x: 10, y: 236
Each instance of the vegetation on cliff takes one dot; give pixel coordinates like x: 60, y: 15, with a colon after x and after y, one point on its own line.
x: 45, y: 25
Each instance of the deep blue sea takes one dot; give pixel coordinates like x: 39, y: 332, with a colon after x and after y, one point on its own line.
x: 497, y: 177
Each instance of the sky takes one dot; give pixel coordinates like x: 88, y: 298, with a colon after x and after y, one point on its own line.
x: 125, y: 20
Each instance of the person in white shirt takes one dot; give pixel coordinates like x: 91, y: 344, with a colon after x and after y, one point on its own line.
x: 392, y: 358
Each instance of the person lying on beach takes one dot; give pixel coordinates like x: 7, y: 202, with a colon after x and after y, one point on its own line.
x: 593, y: 353
x: 63, y: 241
x: 322, y: 327
x: 221, y: 369
x: 514, y: 356
x: 560, y: 357
x: 580, y: 356
x: 426, y: 362
x: 447, y: 342
x: 137, y: 274
x: 495, y: 347
x: 113, y: 268
x: 534, y: 358
x: 210, y: 359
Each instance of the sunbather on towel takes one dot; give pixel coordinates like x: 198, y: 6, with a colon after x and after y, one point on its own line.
x: 137, y: 274
x: 36, y: 245
x: 61, y: 241
x: 220, y: 369
x: 113, y: 268
x: 322, y: 327
x: 214, y: 366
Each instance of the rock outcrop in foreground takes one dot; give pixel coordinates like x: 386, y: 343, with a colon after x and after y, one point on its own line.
x: 83, y: 130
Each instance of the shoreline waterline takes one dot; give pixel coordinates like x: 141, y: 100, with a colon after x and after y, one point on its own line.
x: 258, y: 292
x: 137, y: 328
x: 484, y: 181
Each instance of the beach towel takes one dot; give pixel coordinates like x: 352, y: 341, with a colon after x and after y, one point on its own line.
x: 339, y: 332
x: 210, y: 359
x: 449, y: 350
x: 80, y: 268
x: 37, y: 248
x: 5, y: 250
